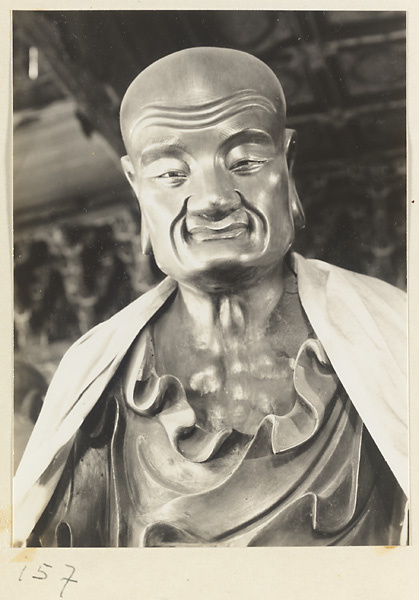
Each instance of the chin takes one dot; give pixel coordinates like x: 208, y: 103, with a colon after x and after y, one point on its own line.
x: 227, y: 274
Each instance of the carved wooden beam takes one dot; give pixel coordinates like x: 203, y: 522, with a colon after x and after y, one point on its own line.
x: 96, y: 103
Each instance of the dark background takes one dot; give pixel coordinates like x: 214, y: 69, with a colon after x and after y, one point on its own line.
x: 77, y: 251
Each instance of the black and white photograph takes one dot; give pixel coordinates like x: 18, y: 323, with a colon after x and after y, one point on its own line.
x: 210, y: 274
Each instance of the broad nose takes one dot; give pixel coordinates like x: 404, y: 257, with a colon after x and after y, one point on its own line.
x: 213, y: 195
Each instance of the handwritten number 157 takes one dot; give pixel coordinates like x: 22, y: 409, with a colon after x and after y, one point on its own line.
x: 43, y: 574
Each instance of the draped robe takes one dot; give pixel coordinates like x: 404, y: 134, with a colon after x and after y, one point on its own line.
x: 332, y: 471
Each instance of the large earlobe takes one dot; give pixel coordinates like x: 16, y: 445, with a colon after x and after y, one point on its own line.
x: 290, y: 146
x: 297, y: 211
x: 129, y: 172
x: 145, y: 239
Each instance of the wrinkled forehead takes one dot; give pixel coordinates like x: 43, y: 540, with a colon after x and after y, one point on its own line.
x: 197, y: 87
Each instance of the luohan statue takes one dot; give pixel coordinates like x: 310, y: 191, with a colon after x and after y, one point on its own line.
x: 253, y: 398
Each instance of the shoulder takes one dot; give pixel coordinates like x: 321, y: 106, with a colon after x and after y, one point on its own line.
x: 91, y: 362
x: 108, y: 339
x: 353, y: 310
x: 370, y: 289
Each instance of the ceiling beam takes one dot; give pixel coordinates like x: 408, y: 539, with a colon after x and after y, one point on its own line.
x: 94, y: 102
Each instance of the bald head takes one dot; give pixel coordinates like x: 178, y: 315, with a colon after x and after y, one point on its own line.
x: 197, y: 85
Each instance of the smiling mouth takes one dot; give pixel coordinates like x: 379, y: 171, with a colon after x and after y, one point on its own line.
x: 203, y: 229
x: 217, y: 231
x: 244, y: 231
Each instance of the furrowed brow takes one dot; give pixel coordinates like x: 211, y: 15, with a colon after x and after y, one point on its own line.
x: 196, y: 117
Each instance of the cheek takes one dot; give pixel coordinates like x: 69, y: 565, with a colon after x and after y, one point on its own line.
x: 159, y: 209
x: 268, y: 192
x: 273, y: 202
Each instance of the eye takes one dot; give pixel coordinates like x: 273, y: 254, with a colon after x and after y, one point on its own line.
x: 172, y: 178
x: 247, y: 166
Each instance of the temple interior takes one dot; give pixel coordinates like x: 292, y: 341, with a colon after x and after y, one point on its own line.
x: 76, y: 222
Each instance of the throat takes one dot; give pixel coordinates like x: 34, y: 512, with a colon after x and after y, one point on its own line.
x: 230, y: 356
x: 231, y: 316
x: 232, y: 313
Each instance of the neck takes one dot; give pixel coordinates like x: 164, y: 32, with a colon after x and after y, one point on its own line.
x: 231, y: 311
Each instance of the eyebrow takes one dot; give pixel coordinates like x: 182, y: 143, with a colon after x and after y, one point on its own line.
x: 161, y: 147
x: 232, y: 137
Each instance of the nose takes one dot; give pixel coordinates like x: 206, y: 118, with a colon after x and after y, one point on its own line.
x: 214, y: 196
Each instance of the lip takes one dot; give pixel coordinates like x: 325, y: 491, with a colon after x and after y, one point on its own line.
x: 245, y: 230
x: 217, y: 232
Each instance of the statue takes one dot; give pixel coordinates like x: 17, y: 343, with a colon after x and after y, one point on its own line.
x: 253, y: 398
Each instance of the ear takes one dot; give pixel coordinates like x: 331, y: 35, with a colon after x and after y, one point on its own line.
x: 129, y: 172
x: 145, y: 239
x: 290, y: 144
x: 144, y: 233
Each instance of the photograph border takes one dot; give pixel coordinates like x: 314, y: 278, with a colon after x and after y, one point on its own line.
x: 369, y: 573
